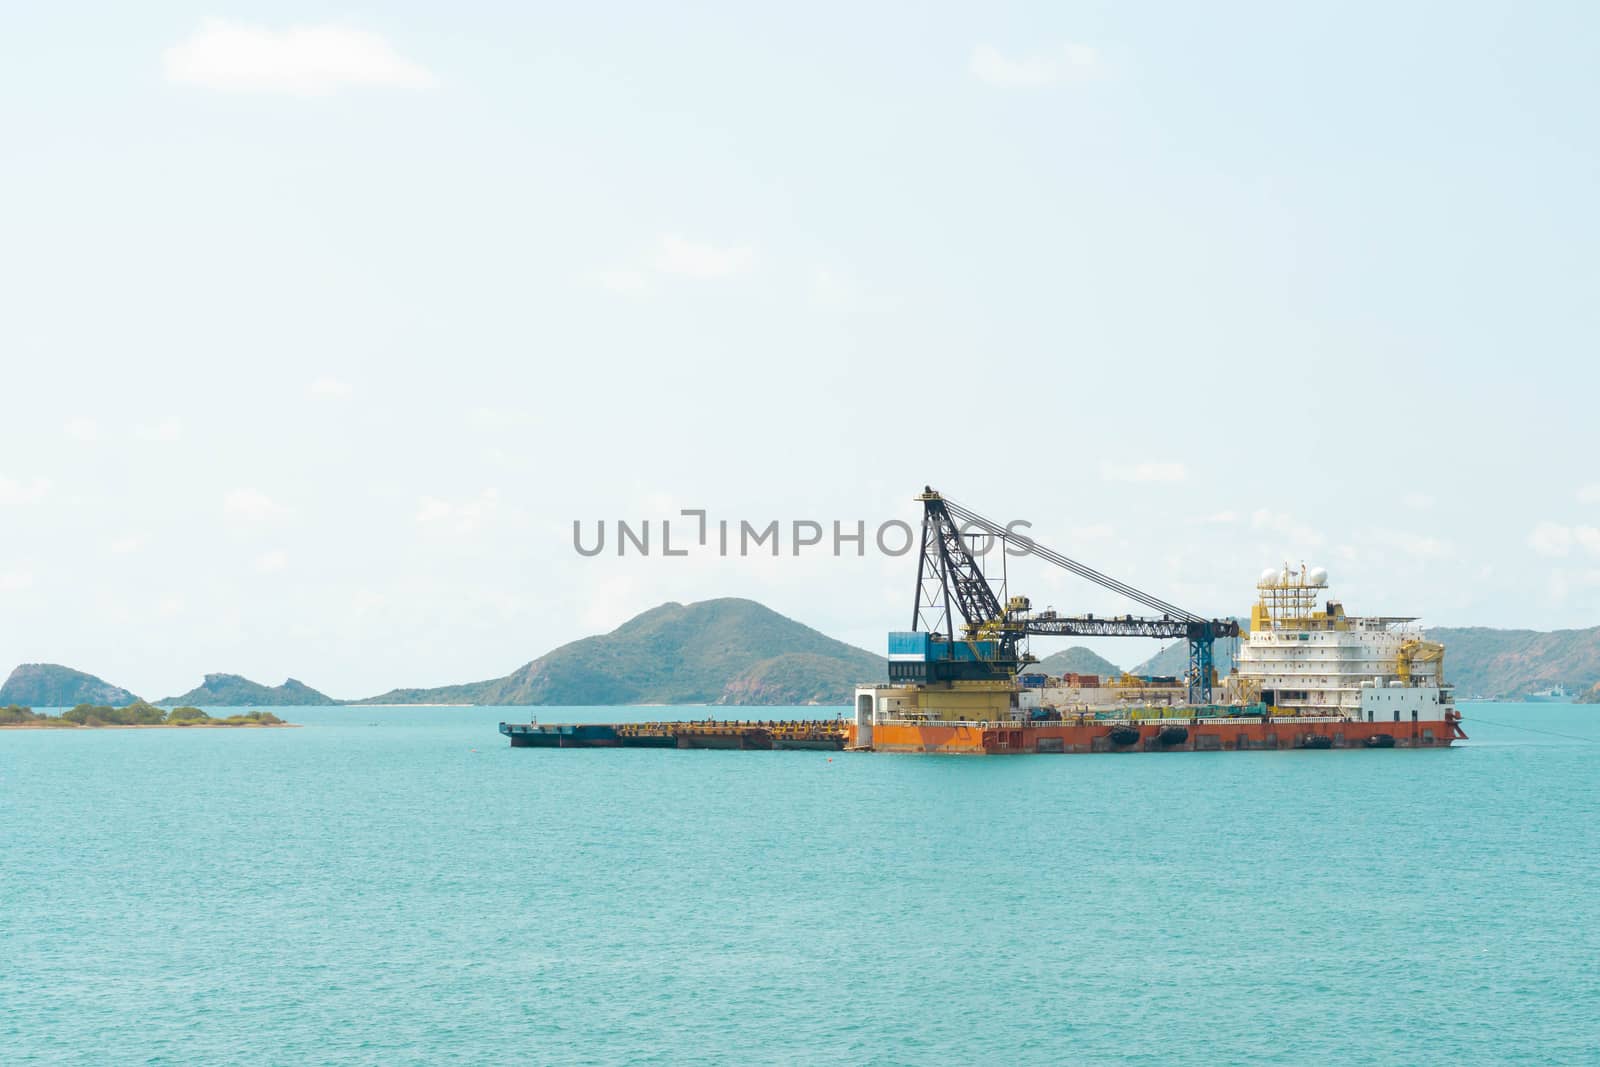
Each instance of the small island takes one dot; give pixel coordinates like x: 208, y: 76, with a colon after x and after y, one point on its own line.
x: 137, y: 714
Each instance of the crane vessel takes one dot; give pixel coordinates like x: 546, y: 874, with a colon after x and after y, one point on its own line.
x: 1305, y: 676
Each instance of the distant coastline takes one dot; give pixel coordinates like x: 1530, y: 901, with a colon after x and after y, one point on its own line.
x: 419, y: 704
x: 220, y: 724
x: 135, y: 716
x: 732, y: 652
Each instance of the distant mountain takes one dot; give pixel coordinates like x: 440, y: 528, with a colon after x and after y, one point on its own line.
x: 1174, y: 659
x: 1511, y: 663
x: 804, y: 678
x: 727, y: 651
x: 1075, y: 660
x: 1478, y: 660
x: 50, y: 685
x: 232, y: 691
x: 737, y: 652
x: 465, y: 693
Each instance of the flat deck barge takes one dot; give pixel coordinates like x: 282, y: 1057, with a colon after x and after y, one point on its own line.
x: 1082, y: 734
x: 1169, y: 734
x: 817, y: 734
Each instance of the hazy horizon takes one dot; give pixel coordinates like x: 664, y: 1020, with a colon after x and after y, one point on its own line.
x: 324, y: 326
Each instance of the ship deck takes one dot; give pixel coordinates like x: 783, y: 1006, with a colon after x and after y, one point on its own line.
x: 1198, y: 734
x: 1079, y: 735
x: 816, y: 734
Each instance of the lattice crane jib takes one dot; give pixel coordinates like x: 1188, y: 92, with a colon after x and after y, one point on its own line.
x: 949, y: 580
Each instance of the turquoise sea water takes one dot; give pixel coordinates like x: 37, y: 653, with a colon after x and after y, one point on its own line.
x: 390, y: 886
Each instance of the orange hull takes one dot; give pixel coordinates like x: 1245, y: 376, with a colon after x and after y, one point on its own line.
x: 1205, y: 735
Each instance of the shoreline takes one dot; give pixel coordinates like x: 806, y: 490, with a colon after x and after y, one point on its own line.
x: 151, y: 726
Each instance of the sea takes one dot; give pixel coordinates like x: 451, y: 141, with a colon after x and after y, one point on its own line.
x: 398, y: 886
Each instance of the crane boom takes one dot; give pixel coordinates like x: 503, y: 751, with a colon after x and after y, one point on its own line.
x: 947, y: 569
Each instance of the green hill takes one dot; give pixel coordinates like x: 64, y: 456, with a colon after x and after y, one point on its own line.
x: 1478, y: 660
x: 50, y: 685
x: 232, y: 691
x: 737, y: 652
x: 1485, y: 662
x: 1174, y: 659
x: 465, y: 693
x: 1076, y: 660
x: 727, y: 651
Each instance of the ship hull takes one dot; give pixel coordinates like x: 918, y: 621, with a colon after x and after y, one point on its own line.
x: 817, y: 735
x: 1202, y: 736
x: 534, y: 735
x: 741, y: 740
x: 825, y: 744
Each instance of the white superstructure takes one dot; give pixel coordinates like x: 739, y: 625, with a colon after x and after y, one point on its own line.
x: 1309, y: 659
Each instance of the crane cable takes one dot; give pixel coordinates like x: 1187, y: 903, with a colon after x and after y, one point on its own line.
x: 1035, y: 548
x: 1081, y: 570
x: 1529, y: 729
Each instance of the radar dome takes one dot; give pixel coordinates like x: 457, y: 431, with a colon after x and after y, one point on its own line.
x: 1317, y: 576
x: 1269, y: 576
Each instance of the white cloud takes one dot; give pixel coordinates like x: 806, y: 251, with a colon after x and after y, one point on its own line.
x: 691, y: 259
x: 988, y: 64
x: 124, y: 546
x: 15, y: 493
x: 272, y: 562
x: 832, y: 290
x: 329, y: 386
x: 1221, y: 517
x: 1551, y: 539
x: 168, y: 429
x: 1285, y: 526
x: 432, y: 509
x: 300, y: 60
x: 1554, y: 539
x: 604, y: 602
x: 1558, y: 585
x: 1080, y: 57
x: 486, y: 417
x: 82, y: 429
x: 1590, y: 494
x: 11, y: 581
x: 1419, y: 546
x: 1419, y: 501
x: 462, y: 517
x: 1098, y: 531
x: 250, y: 504
x: 621, y: 280
x: 1143, y: 472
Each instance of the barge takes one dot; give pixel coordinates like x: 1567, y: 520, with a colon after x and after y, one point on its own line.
x: 1307, y: 676
x: 808, y: 734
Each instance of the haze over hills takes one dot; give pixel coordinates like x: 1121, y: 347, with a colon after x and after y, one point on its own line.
x: 233, y: 691
x: 1075, y: 660
x: 1174, y: 659
x: 728, y: 651
x: 50, y: 685
x: 1485, y: 662
x: 737, y: 652
x: 1479, y: 661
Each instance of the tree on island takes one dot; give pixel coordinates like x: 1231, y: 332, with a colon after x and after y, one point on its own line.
x: 136, y: 714
x: 14, y: 715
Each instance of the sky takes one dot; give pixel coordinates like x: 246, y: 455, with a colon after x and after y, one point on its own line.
x: 321, y: 326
